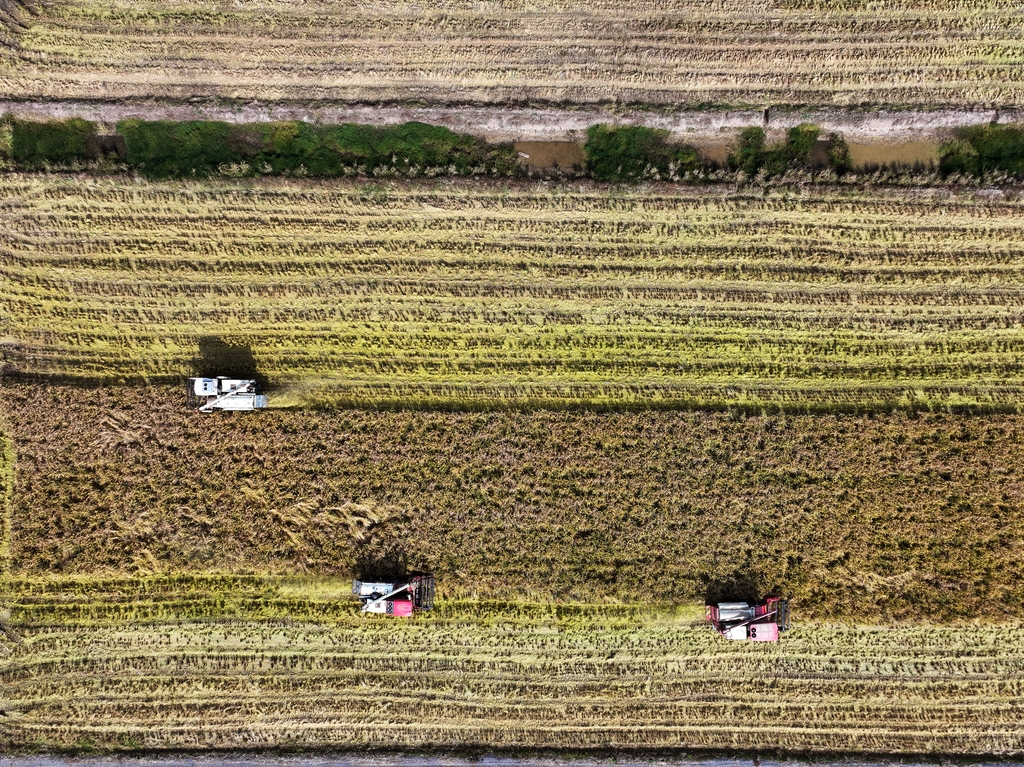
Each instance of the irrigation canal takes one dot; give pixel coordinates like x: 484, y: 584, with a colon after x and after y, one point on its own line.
x: 545, y: 155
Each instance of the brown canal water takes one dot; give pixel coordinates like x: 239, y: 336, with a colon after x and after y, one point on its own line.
x: 549, y: 155
x: 910, y: 153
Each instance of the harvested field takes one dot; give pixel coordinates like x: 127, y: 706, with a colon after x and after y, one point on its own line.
x: 476, y: 295
x: 732, y: 52
x: 874, y: 517
x: 486, y: 675
x: 13, y: 15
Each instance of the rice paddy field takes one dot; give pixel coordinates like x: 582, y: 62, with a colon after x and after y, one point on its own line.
x: 585, y: 409
x: 291, y: 669
x: 653, y: 53
x: 877, y: 518
x: 478, y: 295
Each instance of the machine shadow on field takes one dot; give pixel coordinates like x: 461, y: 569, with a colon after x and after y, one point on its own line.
x: 738, y: 586
x: 381, y: 558
x: 222, y: 357
x: 390, y: 564
x: 380, y: 550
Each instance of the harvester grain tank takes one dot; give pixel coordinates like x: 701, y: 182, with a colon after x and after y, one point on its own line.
x: 396, y: 598
x: 223, y: 393
x: 758, y: 622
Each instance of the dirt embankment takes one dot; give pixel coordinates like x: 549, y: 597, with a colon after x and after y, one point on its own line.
x: 542, y: 124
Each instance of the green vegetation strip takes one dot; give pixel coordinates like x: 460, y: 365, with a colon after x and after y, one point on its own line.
x: 190, y: 149
x: 480, y: 675
x: 168, y: 149
x: 990, y: 151
x: 508, y: 295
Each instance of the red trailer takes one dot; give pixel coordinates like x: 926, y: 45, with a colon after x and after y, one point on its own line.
x: 758, y: 622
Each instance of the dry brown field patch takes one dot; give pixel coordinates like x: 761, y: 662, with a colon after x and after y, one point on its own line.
x: 888, y: 517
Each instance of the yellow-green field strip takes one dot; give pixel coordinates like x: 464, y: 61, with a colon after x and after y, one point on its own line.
x: 482, y: 295
x: 7, y: 463
x: 279, y: 663
x: 690, y: 53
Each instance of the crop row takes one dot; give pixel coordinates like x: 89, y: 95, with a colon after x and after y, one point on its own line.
x: 938, y: 53
x: 407, y: 295
x: 8, y: 461
x: 496, y: 674
x: 372, y: 199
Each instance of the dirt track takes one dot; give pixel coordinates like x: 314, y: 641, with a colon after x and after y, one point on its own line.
x: 540, y: 124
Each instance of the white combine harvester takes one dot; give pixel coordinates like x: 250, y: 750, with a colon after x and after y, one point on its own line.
x: 397, y: 598
x: 222, y: 393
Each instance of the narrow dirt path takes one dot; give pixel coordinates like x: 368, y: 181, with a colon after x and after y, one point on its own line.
x: 541, y: 124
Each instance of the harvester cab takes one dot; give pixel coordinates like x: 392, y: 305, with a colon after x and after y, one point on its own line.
x: 758, y: 622
x: 397, y: 598
x: 223, y: 393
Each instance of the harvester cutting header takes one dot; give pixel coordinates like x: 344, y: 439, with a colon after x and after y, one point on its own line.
x: 759, y: 622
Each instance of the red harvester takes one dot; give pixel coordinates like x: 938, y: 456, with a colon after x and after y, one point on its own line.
x: 759, y: 622
x: 396, y: 598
